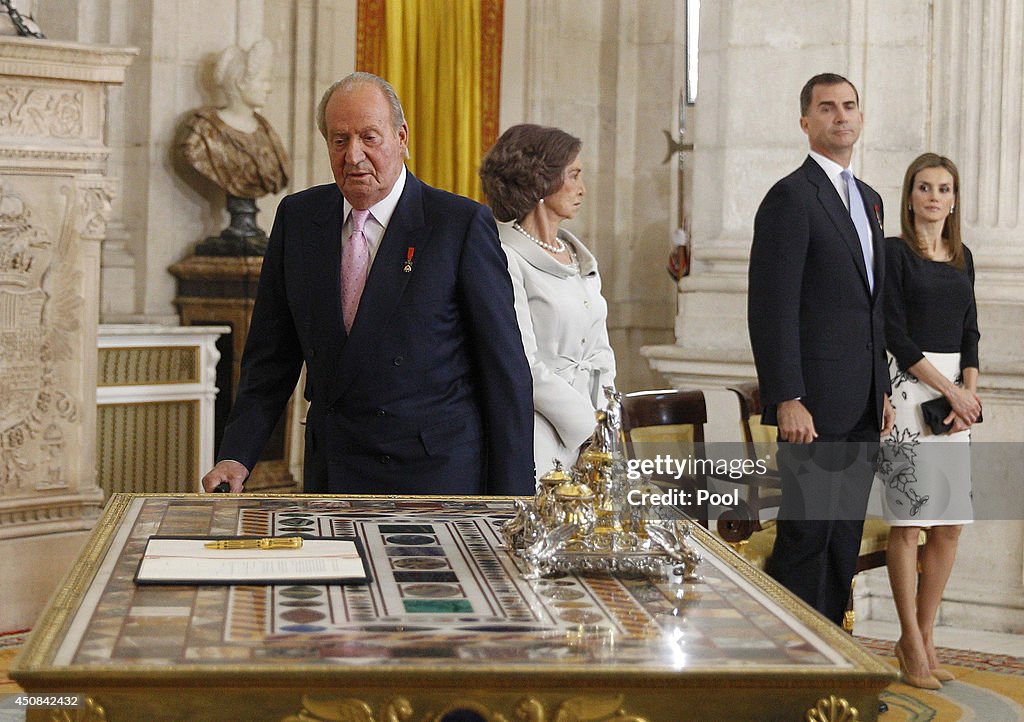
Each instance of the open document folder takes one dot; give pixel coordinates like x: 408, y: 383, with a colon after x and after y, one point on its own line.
x: 205, y: 560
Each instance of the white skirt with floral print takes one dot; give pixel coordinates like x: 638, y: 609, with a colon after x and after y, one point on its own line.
x: 926, y: 479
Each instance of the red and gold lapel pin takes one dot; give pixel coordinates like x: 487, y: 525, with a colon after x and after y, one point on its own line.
x: 407, y: 267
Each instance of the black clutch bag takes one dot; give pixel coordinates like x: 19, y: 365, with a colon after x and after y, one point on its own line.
x: 935, y: 411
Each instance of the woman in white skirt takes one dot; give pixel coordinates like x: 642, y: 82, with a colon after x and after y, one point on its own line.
x: 932, y: 339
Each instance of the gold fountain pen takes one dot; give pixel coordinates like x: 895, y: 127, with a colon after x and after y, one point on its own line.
x: 278, y: 542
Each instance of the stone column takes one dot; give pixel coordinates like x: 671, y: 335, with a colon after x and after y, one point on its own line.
x: 54, y: 205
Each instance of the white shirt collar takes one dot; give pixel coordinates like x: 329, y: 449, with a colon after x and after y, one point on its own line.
x: 833, y: 171
x: 383, y: 209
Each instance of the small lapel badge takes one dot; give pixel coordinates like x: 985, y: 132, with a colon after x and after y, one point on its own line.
x: 407, y: 266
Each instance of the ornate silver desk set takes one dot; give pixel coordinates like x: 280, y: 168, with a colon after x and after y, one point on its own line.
x: 582, y: 520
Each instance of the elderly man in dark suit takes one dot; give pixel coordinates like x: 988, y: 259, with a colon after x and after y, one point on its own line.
x: 816, y: 328
x: 416, y: 374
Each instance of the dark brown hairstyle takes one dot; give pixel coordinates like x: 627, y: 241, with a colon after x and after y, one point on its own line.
x: 525, y: 164
x: 951, y: 228
x: 822, y: 79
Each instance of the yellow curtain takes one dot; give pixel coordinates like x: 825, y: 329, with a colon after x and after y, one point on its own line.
x: 434, y: 54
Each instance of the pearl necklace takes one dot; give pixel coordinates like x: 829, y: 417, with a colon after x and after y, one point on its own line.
x: 557, y: 247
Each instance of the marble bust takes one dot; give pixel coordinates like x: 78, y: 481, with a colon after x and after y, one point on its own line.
x: 236, y: 148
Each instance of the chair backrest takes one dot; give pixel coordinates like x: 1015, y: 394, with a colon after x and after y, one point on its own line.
x: 663, y: 407
x: 684, y: 409
x: 758, y: 436
x: 749, y: 395
x: 762, y: 491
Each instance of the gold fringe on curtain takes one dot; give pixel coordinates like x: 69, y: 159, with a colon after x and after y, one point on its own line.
x: 443, y: 58
x: 491, y: 34
x: 369, y: 35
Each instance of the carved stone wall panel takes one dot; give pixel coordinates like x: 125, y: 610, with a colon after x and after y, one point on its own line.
x: 95, y: 197
x: 54, y: 206
x: 53, y: 104
x: 41, y: 304
x: 33, y: 111
x: 43, y: 112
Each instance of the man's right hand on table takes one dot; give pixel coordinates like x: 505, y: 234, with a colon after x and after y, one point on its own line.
x: 230, y: 472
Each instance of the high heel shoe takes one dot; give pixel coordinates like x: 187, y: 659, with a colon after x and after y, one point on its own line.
x: 927, y: 682
x: 943, y: 675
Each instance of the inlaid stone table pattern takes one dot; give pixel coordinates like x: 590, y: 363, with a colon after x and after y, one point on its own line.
x: 449, y: 629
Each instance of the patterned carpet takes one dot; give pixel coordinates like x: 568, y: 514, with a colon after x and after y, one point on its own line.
x: 988, y: 688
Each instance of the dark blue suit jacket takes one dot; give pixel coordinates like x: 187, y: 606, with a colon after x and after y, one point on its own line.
x: 431, y: 393
x: 816, y: 330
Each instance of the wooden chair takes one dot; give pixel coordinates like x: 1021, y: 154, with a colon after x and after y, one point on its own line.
x: 668, y: 421
x: 754, y: 537
x: 738, y: 524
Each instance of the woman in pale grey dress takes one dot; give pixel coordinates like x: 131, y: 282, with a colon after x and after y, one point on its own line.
x: 533, y: 181
x: 932, y: 340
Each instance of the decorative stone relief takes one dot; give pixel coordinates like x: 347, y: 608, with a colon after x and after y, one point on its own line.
x: 38, y: 317
x: 30, y: 110
x: 96, y: 198
x: 54, y: 192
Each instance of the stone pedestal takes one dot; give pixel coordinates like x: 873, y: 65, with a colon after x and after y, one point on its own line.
x: 54, y: 206
x: 221, y: 290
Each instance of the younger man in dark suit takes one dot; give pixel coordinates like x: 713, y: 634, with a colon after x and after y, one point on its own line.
x: 415, y: 370
x: 816, y: 328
